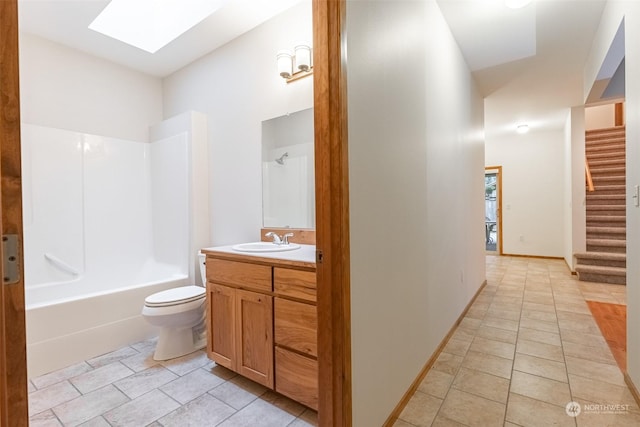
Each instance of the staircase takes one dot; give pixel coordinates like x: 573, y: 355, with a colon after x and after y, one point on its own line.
x: 605, y: 259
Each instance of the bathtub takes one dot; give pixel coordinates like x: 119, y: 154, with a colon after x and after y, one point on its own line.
x: 71, y: 321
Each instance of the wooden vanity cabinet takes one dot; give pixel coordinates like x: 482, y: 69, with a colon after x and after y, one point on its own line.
x: 262, y: 323
x: 241, y: 308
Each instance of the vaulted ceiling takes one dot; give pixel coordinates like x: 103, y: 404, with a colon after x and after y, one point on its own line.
x: 528, y: 62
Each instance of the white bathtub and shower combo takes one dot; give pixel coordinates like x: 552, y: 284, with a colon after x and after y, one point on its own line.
x: 108, y: 224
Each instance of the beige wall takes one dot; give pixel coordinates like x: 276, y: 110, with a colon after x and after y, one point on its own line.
x: 600, y: 116
x: 64, y: 88
x: 416, y: 171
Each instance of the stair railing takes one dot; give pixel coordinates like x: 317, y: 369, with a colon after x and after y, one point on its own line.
x: 587, y: 171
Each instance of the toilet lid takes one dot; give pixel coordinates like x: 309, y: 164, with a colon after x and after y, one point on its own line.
x: 181, y: 295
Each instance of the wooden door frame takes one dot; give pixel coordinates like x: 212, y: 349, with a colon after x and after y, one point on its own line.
x: 499, y: 223
x: 332, y: 214
x: 13, y: 352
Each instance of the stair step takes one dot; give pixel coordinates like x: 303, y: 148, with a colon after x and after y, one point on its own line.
x: 606, y: 256
x: 606, y: 259
x: 607, y: 209
x: 605, y: 155
x: 611, y: 230
x: 605, y: 199
x: 608, y: 170
x: 612, y: 146
x: 608, y: 189
x: 612, y: 197
x: 606, y: 162
x: 610, y: 178
x: 612, y: 279
x: 604, y: 142
x: 595, y: 269
x: 607, y: 245
x: 606, y: 233
x: 607, y: 218
x: 605, y: 132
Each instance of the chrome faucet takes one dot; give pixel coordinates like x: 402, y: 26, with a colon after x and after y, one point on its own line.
x: 285, y: 238
x: 277, y: 240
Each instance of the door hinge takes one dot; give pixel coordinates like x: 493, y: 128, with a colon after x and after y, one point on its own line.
x: 10, y: 266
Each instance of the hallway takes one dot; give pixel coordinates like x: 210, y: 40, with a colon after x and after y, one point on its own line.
x: 526, y: 348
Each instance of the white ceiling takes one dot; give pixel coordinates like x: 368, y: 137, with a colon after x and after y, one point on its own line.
x: 522, y: 86
x: 527, y: 62
x: 66, y: 22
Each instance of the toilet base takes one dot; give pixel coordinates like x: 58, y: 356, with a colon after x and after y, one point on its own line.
x: 177, y: 342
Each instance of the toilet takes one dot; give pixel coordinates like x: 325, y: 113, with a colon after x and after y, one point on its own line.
x: 180, y: 314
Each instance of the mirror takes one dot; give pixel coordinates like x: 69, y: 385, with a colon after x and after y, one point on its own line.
x: 288, y: 179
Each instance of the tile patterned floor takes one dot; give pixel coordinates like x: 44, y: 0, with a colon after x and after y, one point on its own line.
x: 526, y: 348
x: 128, y: 388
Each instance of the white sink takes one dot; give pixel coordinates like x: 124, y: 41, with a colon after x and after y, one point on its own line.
x: 264, y: 247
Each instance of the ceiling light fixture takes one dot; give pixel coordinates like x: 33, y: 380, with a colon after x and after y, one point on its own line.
x: 522, y: 129
x: 516, y: 4
x: 296, y: 65
x: 152, y: 24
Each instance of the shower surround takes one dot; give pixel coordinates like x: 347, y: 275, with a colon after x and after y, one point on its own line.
x: 107, y: 222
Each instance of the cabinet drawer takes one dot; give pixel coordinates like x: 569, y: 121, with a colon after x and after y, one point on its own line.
x: 240, y: 274
x: 296, y: 326
x: 297, y: 377
x: 295, y: 283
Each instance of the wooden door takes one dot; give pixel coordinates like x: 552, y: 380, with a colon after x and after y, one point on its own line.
x: 221, y: 313
x: 13, y: 360
x: 254, y: 345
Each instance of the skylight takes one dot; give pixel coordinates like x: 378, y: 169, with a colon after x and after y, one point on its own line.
x: 152, y: 24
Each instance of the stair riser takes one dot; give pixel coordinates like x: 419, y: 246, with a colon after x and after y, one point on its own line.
x: 602, y: 262
x: 598, y: 224
x: 615, y: 280
x: 612, y: 192
x: 603, y: 224
x: 609, y: 154
x: 607, y: 236
x: 605, y: 210
x: 605, y: 144
x: 593, y: 211
x: 605, y: 202
x: 610, y: 249
x: 606, y: 163
x: 609, y: 148
x: 610, y: 180
x: 606, y: 170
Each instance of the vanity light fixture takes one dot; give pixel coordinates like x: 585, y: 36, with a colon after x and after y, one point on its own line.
x: 522, y: 128
x: 296, y: 65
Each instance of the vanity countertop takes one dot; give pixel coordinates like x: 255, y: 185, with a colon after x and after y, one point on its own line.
x: 303, y: 257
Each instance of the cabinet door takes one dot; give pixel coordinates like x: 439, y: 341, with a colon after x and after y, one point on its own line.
x: 254, y: 345
x: 221, y: 325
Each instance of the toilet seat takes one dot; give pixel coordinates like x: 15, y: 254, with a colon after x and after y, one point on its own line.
x: 175, y: 296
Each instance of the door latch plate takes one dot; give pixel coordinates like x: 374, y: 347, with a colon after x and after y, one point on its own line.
x: 10, y: 266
